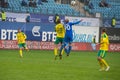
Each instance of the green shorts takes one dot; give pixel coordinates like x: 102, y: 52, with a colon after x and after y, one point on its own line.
x: 22, y: 45
x: 102, y: 53
x: 58, y: 40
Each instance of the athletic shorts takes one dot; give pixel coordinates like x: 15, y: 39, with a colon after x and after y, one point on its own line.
x: 68, y: 39
x: 22, y: 45
x: 102, y: 53
x: 58, y: 40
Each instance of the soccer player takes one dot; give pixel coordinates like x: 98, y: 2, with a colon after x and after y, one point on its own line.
x: 69, y: 35
x: 104, y: 42
x: 21, y: 37
x: 60, y: 31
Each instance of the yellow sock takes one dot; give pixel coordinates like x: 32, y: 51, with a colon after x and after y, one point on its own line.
x: 62, y: 51
x: 104, y: 62
x: 55, y: 51
x: 101, y: 65
x: 21, y: 55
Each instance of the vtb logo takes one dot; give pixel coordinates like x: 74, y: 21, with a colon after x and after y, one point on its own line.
x: 35, y: 31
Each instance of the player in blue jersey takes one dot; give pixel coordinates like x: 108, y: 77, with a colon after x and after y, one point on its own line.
x: 68, y: 35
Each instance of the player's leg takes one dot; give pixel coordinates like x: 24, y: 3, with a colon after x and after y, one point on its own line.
x: 56, y: 51
x: 61, y: 47
x: 70, y: 45
x: 99, y: 61
x: 103, y: 54
x: 20, y: 50
x: 66, y: 48
x: 70, y: 48
x: 56, y: 47
x: 25, y: 46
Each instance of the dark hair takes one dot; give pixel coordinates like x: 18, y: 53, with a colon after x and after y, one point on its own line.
x: 104, y: 30
x: 58, y: 21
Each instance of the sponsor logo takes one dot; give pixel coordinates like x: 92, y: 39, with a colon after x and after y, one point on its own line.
x: 48, y: 36
x: 11, y: 19
x: 7, y: 34
x: 114, y: 37
x: 115, y: 47
x: 82, y: 37
x: 35, y: 31
x: 50, y: 19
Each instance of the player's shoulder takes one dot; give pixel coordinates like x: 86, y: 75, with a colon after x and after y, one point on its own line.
x: 70, y: 23
x: 60, y: 24
x: 105, y: 35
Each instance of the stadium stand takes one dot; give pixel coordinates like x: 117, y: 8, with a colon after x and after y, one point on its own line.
x: 106, y: 12
x: 49, y: 7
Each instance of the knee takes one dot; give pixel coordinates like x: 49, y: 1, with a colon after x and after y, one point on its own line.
x: 99, y: 58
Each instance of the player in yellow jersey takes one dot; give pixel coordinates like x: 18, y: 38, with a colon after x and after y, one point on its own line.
x: 21, y: 38
x: 104, y: 43
x: 60, y: 32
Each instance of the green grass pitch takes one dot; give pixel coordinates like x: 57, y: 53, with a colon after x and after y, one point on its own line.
x: 40, y: 65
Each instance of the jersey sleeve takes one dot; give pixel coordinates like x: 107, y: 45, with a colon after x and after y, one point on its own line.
x: 25, y: 37
x: 105, y: 39
x: 73, y: 23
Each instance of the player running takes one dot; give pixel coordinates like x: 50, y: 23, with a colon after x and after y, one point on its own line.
x: 68, y: 35
x: 104, y: 42
x: 60, y: 31
x: 21, y: 37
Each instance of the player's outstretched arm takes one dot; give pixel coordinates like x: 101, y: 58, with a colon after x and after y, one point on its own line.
x: 77, y: 22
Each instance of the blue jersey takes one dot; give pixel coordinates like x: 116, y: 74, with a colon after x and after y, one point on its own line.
x: 69, y: 33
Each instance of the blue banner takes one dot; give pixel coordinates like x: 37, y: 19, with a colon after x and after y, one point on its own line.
x: 42, y: 18
x: 34, y: 31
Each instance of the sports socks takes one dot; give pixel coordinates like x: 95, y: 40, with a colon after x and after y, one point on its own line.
x: 101, y: 65
x: 104, y: 62
x: 55, y: 51
x: 20, y: 51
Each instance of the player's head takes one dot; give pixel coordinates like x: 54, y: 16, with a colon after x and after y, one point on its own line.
x: 58, y: 21
x: 19, y: 30
x: 66, y: 20
x: 103, y: 30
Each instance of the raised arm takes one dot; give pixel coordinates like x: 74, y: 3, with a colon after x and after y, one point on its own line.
x: 73, y: 23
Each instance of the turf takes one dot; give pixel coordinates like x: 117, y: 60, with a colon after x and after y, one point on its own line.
x: 40, y: 65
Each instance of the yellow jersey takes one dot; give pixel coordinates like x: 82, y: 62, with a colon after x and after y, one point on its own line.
x: 21, y: 37
x: 104, y: 42
x: 60, y: 30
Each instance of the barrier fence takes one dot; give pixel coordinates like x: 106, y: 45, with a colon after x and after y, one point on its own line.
x: 41, y: 35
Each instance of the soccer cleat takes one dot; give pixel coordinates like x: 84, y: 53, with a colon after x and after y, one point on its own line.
x: 21, y: 56
x: 107, y: 69
x: 67, y: 54
x: 60, y: 56
x: 27, y: 49
x: 55, y: 57
x: 102, y: 69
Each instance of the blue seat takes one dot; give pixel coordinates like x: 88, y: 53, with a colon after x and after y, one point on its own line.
x: 44, y: 10
x: 16, y: 9
x: 23, y: 9
x: 50, y: 10
x: 36, y: 10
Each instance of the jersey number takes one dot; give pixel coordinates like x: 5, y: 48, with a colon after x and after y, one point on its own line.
x: 67, y: 27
